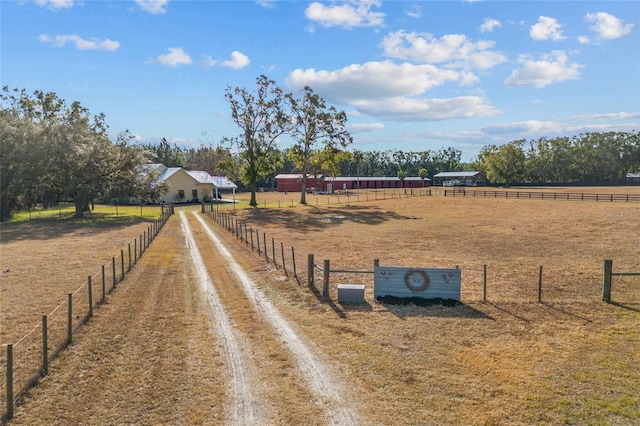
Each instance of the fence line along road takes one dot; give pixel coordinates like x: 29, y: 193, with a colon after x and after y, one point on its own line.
x: 27, y: 360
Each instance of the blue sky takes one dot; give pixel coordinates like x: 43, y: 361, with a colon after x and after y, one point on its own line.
x: 411, y: 75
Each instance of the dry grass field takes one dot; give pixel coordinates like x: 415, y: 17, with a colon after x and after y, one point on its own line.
x: 571, y: 359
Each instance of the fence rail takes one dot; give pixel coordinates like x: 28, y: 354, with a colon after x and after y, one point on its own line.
x: 27, y: 360
x: 537, y: 195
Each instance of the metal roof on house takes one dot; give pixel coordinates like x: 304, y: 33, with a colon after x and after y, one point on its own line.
x: 200, y: 176
x: 456, y: 174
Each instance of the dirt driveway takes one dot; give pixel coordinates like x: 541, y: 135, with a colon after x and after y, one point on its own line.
x: 209, y: 348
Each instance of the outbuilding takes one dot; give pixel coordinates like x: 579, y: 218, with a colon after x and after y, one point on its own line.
x: 458, y: 179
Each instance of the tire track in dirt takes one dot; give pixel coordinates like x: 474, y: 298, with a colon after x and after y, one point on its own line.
x: 327, y: 391
x: 243, y: 408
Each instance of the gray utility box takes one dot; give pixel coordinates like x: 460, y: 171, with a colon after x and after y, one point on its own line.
x: 350, y: 293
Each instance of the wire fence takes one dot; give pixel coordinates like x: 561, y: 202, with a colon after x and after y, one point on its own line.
x: 519, y: 282
x: 24, y: 362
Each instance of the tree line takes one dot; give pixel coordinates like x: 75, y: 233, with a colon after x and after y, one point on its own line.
x: 52, y: 152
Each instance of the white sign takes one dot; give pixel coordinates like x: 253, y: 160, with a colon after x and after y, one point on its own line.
x: 426, y: 283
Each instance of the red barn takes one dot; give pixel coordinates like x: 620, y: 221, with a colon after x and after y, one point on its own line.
x: 292, y: 182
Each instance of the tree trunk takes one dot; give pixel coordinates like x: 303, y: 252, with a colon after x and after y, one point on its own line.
x: 303, y: 189
x: 253, y: 202
x: 79, y: 206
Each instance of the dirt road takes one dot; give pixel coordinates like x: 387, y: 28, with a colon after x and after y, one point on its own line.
x: 189, y: 338
x: 231, y: 279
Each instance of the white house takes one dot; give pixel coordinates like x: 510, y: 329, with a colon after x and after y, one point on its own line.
x: 191, y: 186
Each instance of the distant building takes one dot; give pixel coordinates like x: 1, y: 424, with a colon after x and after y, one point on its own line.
x: 320, y: 183
x: 189, y: 186
x: 458, y: 179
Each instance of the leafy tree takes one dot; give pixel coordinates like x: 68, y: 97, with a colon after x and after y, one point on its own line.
x: 55, y: 151
x: 357, y: 158
x: 314, y: 122
x: 506, y: 164
x: 262, y: 120
x: 402, y: 175
x: 423, y: 174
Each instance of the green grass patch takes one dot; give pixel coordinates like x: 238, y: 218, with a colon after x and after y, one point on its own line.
x: 100, y: 213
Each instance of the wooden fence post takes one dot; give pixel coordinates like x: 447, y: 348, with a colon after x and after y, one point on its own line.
x: 293, y: 258
x: 104, y: 287
x: 273, y: 251
x: 45, y: 347
x: 284, y: 268
x: 89, y: 290
x: 113, y: 267
x: 251, y: 229
x: 540, y: 285
x: 129, y: 257
x: 258, y: 239
x: 135, y: 251
x: 606, y: 283
x: 69, y: 317
x: 310, y: 270
x: 122, y: 263
x: 9, y: 414
x: 325, y: 279
x: 484, y: 284
x: 266, y: 251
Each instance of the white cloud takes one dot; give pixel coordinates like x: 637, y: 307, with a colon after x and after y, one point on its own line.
x: 608, y: 26
x: 584, y: 40
x: 208, y: 61
x: 364, y: 127
x: 176, y: 56
x: 606, y: 116
x: 424, y: 109
x: 455, y: 50
x: 237, y: 61
x: 520, y: 127
x: 489, y: 24
x: 414, y: 11
x: 156, y: 7
x: 546, y: 29
x: 550, y: 68
x: 269, y: 4
x: 55, y: 4
x: 372, y: 80
x: 350, y: 14
x: 392, y: 91
x: 80, y: 43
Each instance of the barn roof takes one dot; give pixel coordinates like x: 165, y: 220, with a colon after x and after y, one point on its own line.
x: 295, y: 176
x: 457, y: 174
x: 373, y: 178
